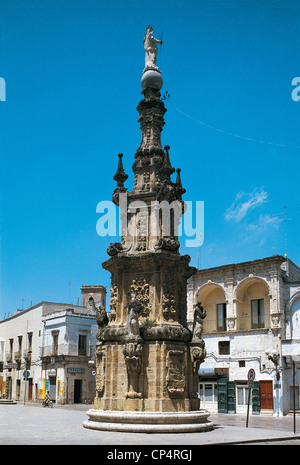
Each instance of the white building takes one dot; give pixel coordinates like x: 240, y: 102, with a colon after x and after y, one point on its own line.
x: 252, y: 321
x: 48, y: 347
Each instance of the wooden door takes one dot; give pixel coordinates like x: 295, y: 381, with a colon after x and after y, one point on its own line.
x: 231, y: 407
x: 30, y: 389
x: 222, y: 394
x: 266, y: 395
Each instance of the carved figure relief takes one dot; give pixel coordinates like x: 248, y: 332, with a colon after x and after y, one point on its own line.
x: 102, y: 320
x: 142, y: 228
x: 175, y: 380
x: 133, y: 357
x: 134, y: 308
x: 100, y: 373
x: 199, y: 315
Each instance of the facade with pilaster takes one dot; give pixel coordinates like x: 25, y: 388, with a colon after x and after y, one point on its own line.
x: 252, y: 321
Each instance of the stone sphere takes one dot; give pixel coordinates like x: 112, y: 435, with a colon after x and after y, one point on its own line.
x: 151, y: 78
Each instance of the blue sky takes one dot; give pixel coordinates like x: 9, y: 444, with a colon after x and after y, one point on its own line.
x: 72, y: 73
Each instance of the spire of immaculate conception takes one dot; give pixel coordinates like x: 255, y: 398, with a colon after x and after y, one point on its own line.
x: 147, y: 358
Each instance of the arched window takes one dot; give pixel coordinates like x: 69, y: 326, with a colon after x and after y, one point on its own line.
x: 295, y: 319
x: 214, y: 303
x: 253, y: 310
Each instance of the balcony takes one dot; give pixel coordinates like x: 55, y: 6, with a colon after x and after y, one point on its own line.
x: 63, y: 353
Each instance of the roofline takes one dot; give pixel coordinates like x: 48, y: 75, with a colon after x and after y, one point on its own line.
x: 273, y: 258
x: 21, y: 312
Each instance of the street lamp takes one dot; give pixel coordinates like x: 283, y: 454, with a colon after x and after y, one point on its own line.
x: 273, y: 356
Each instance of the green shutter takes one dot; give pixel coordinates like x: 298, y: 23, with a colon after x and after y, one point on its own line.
x: 256, y: 398
x: 222, y: 394
x: 231, y: 405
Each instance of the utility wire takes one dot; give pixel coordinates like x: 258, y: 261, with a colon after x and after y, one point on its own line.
x: 251, y: 139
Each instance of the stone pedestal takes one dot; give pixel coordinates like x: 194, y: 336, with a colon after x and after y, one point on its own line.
x: 149, y: 422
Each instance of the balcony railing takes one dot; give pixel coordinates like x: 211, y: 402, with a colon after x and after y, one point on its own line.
x: 63, y: 349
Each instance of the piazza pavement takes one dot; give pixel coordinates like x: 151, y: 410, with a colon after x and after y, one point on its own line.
x: 31, y: 424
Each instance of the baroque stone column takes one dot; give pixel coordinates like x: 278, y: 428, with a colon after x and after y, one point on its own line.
x: 147, y: 358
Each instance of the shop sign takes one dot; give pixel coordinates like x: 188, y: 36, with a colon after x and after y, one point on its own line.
x: 11, y: 365
x: 75, y: 370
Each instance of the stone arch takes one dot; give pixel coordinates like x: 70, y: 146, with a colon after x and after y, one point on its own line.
x: 246, y: 282
x: 294, y: 306
x: 252, y: 288
x: 211, y: 294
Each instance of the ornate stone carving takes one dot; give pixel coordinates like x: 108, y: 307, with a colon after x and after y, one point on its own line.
x: 166, y: 333
x: 140, y: 288
x: 100, y: 371
x: 120, y: 177
x: 113, y: 302
x: 198, y: 354
x: 167, y: 243
x: 133, y: 356
x: 175, y: 380
x: 102, y: 320
x: 231, y: 323
x: 142, y: 228
x: 134, y: 308
x: 168, y: 298
x: 199, y: 315
x: 275, y: 319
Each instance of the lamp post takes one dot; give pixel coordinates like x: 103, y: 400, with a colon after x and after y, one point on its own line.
x: 274, y: 356
x: 295, y: 359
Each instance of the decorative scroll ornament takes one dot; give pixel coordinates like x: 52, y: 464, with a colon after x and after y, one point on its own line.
x: 198, y: 354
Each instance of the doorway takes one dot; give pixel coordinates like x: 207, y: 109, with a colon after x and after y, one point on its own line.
x: 266, y: 395
x: 29, y: 388
x: 77, y: 391
x: 52, y: 386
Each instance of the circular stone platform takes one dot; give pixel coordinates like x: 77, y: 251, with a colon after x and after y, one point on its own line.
x: 148, y: 422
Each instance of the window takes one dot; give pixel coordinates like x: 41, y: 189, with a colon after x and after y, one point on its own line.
x: 55, y: 344
x: 242, y: 363
x: 11, y: 350
x: 208, y: 392
x: 242, y: 395
x: 258, y: 313
x: 81, y: 345
x: 224, y: 347
x: 221, y: 317
x: 20, y: 339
